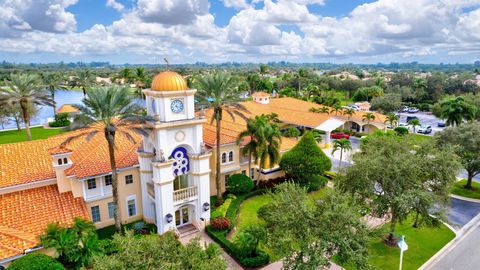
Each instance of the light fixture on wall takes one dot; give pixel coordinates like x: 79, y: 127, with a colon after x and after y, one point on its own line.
x: 169, y: 218
x: 206, y: 206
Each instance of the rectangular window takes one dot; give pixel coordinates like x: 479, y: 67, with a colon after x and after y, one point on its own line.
x: 244, y: 172
x: 128, y: 179
x: 111, y: 210
x: 91, y: 183
x: 132, y: 208
x: 95, y: 213
x: 108, y: 180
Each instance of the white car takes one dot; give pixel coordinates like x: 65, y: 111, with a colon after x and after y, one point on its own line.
x: 403, y: 125
x: 413, y: 110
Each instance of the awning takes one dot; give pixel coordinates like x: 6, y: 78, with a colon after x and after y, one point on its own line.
x: 331, y: 124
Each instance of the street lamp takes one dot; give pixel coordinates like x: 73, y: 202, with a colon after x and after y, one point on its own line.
x: 403, y: 247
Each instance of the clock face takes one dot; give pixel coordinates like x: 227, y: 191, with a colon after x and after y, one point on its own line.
x: 176, y: 106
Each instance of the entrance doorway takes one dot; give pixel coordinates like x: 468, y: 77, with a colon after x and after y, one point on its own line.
x: 181, y: 216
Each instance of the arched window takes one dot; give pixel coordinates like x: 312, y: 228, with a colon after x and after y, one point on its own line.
x: 230, y: 156
x: 59, y: 161
x: 154, y: 107
x: 65, y: 160
x: 224, y: 158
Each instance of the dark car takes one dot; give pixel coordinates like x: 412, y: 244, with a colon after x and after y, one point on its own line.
x: 411, y: 118
x: 441, y: 124
x: 339, y: 135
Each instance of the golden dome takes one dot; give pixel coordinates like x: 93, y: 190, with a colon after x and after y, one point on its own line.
x: 169, y: 81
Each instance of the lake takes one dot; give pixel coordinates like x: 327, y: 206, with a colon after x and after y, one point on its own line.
x: 61, y: 97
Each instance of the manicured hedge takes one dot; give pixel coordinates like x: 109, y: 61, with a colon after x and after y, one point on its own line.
x: 220, y: 236
x: 36, y: 261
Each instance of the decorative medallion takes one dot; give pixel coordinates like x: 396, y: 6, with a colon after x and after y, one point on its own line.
x: 179, y: 136
x: 176, y: 106
x: 181, y: 165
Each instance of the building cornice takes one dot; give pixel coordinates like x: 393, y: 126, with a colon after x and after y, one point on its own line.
x: 179, y: 123
x: 153, y: 93
x: 26, y: 186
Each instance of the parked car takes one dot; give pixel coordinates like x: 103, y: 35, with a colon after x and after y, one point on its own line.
x: 354, y: 106
x: 413, y: 110
x: 403, y: 125
x: 339, y: 135
x: 441, y: 124
x: 411, y: 118
x: 425, y: 130
x: 405, y: 109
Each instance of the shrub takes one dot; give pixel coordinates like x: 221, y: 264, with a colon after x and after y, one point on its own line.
x: 36, y: 261
x: 305, y: 159
x: 261, y: 259
x: 316, y: 182
x: 330, y: 174
x: 220, y: 223
x: 222, y: 209
x: 107, y: 247
x: 239, y: 184
x: 140, y: 227
x: 401, y: 131
x: 291, y: 132
x: 61, y: 120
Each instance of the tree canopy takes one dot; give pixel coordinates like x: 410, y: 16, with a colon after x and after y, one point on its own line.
x: 392, y: 172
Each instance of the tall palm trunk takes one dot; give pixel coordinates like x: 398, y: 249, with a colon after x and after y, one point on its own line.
x: 218, y: 179
x: 84, y: 91
x: 26, y: 119
x: 250, y: 164
x: 110, y: 136
x: 341, y: 156
x: 52, y: 91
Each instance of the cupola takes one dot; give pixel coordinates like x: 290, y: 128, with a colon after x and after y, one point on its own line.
x: 169, y: 81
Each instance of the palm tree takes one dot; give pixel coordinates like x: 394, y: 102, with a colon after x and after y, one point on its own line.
x: 349, y: 111
x: 368, y: 117
x: 455, y: 110
x: 336, y: 109
x: 218, y: 91
x: 269, y: 150
x: 127, y: 75
x: 324, y: 109
x: 140, y: 80
x: 110, y: 111
x: 255, y: 132
x: 25, y: 91
x: 342, y: 145
x: 53, y: 81
x: 83, y: 80
x: 314, y: 110
x: 392, y: 119
x: 414, y: 123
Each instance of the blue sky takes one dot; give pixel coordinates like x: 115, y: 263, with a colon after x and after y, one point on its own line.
x: 187, y: 31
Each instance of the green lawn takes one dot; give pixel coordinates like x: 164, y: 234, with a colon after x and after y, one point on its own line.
x: 420, y: 137
x: 247, y: 214
x: 459, y: 190
x: 13, y: 136
x: 423, y: 243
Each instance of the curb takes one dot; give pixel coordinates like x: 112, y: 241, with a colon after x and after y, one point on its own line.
x: 461, y: 234
x: 464, y: 198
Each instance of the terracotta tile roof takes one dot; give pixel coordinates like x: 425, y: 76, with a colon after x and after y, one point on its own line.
x: 26, y: 162
x: 260, y: 94
x: 67, y: 108
x: 25, y: 214
x: 289, y: 110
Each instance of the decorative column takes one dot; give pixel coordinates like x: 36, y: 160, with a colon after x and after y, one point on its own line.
x: 327, y: 139
x: 200, y: 173
x: 163, y: 182
x: 145, y: 161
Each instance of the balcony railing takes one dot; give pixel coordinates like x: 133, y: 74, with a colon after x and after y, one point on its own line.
x: 185, y: 193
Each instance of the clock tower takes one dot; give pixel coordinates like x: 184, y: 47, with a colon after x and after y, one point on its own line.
x: 174, y: 165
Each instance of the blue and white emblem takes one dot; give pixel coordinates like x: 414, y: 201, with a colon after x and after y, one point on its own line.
x: 176, y: 106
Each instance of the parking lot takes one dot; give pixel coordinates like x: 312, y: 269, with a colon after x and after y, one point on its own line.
x: 425, y: 118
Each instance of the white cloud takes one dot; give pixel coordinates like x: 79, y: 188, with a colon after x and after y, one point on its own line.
x: 115, y: 5
x: 41, y: 15
x: 239, y: 4
x: 185, y: 30
x: 172, y: 12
